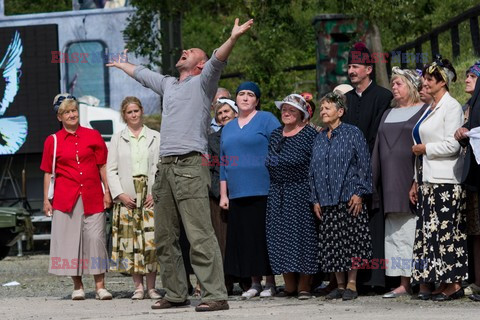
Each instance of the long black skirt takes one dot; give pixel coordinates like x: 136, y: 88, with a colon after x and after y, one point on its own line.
x: 440, y: 247
x: 246, y: 252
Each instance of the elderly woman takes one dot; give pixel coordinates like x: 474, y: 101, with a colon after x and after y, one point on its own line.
x: 131, y: 166
x: 340, y: 177
x: 76, y: 156
x: 225, y: 111
x: 440, y: 247
x: 291, y: 231
x: 244, y: 184
x: 392, y: 163
x: 471, y: 172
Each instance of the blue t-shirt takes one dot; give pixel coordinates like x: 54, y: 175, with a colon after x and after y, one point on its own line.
x: 242, y: 155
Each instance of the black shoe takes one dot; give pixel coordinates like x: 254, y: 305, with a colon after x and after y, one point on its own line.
x: 443, y: 297
x: 335, y: 294
x: 286, y: 294
x: 474, y: 297
x: 349, y: 295
x: 424, y: 296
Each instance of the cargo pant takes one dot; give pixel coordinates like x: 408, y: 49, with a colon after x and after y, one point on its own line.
x: 181, y: 192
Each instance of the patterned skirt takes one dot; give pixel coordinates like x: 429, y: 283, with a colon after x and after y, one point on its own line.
x: 344, y: 240
x: 440, y: 247
x: 133, y: 241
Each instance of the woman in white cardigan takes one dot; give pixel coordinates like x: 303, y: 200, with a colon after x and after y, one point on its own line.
x: 131, y: 166
x: 440, y: 247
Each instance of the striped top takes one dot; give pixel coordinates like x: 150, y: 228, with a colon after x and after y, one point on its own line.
x: 340, y: 166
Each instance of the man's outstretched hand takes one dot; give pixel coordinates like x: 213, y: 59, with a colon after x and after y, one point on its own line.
x: 238, y: 30
x: 116, y: 61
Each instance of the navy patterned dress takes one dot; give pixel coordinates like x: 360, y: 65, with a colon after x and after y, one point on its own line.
x: 291, y: 231
x: 340, y: 168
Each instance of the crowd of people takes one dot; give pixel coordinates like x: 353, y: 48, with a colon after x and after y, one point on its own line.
x: 385, y: 192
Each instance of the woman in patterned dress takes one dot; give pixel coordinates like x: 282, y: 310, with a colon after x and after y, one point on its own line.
x: 340, y: 176
x: 131, y: 166
x: 440, y: 247
x: 291, y: 235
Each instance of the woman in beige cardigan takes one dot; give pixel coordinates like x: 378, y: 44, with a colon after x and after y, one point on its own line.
x: 131, y: 166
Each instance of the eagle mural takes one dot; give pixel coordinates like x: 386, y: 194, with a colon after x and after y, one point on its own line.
x: 13, y: 130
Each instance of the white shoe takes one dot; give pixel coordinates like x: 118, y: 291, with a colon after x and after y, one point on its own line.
x: 103, y: 294
x: 138, y: 295
x: 472, y: 289
x: 78, y: 294
x: 250, y: 293
x: 153, y: 294
x: 268, y: 292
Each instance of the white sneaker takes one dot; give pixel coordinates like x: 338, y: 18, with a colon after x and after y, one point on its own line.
x: 250, y: 293
x: 268, y: 292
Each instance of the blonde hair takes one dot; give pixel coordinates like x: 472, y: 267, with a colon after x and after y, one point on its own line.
x: 67, y: 104
x: 126, y: 102
x: 413, y: 95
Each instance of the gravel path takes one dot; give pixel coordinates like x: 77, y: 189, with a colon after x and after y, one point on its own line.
x: 44, y: 296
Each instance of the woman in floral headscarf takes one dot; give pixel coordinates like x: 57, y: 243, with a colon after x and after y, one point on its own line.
x: 440, y: 247
x: 392, y: 164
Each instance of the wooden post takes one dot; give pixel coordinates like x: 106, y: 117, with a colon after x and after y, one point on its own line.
x: 455, y: 41
x: 475, y: 35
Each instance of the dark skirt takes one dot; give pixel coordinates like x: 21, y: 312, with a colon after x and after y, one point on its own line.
x: 440, y: 247
x: 246, y: 252
x: 343, y: 238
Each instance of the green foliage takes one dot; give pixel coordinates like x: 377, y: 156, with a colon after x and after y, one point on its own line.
x: 282, y: 35
x: 13, y: 7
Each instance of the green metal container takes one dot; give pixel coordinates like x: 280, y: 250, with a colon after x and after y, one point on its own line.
x: 336, y: 34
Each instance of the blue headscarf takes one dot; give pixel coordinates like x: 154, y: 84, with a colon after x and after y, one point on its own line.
x: 252, y: 86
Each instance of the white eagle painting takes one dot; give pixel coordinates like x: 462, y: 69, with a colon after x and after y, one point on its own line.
x: 13, y: 130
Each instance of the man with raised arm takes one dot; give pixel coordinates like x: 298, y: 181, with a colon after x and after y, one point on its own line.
x: 181, y: 186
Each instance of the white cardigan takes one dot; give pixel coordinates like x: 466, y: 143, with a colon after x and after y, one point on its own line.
x: 119, y: 162
x: 442, y: 162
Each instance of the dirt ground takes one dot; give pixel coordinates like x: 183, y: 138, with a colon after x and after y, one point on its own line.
x: 44, y: 296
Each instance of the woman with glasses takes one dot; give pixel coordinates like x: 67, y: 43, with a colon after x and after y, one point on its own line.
x: 340, y: 177
x: 291, y: 231
x: 78, y: 241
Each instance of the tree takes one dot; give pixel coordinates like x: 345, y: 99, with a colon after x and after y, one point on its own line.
x: 13, y: 7
x: 282, y: 37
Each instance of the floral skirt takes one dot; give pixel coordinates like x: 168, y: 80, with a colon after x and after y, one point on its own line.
x: 133, y: 241
x: 440, y: 247
x: 344, y: 240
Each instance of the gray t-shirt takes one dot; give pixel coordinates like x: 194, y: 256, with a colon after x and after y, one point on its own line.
x: 186, y: 106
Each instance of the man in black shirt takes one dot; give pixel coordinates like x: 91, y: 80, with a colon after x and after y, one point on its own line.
x: 366, y: 104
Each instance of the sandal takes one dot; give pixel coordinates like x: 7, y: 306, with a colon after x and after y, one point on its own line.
x: 165, y: 304
x: 304, y: 295
x: 212, y: 306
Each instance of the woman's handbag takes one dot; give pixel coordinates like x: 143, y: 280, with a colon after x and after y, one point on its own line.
x: 51, y: 187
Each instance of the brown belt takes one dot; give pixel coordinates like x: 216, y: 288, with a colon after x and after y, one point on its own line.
x: 175, y: 159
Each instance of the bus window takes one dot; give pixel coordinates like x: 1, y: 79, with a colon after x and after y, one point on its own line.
x: 86, y: 73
